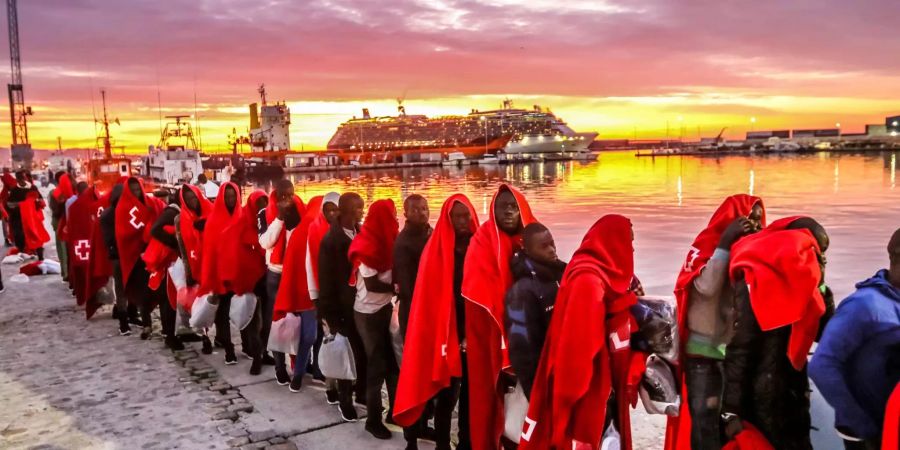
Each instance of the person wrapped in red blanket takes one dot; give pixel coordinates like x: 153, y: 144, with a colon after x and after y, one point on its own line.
x: 486, y: 279
x: 135, y: 213
x: 26, y: 216
x: 781, y: 306
x: 293, y: 294
x: 433, y: 360
x: 587, y: 376
x: 79, y: 221
x: 704, y: 307
x: 63, y: 192
x: 232, y: 259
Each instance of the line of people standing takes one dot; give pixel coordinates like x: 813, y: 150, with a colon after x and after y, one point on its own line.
x: 487, y: 314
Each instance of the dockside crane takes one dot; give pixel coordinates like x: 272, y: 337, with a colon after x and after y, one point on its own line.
x: 20, y: 149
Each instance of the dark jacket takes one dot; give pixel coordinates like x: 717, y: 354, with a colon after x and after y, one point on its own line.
x: 761, y: 385
x: 108, y: 223
x: 857, y: 362
x: 407, y: 254
x: 336, y: 295
x: 166, y: 218
x: 529, y: 307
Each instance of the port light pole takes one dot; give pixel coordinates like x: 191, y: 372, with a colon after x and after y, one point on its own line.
x: 484, y: 119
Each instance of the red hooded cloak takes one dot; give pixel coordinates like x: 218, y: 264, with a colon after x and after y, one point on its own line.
x: 374, y: 245
x: 431, y: 354
x: 293, y: 292
x: 586, y: 353
x: 486, y: 279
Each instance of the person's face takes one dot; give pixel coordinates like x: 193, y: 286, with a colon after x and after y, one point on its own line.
x: 507, y: 214
x: 755, y: 217
x: 541, y: 248
x: 416, y: 212
x: 230, y: 198
x: 262, y: 202
x: 357, y: 210
x: 135, y: 188
x: 460, y: 217
x: 330, y: 210
x: 284, y: 198
x: 191, y: 200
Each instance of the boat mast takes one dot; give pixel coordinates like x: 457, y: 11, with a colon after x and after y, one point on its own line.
x: 107, y: 146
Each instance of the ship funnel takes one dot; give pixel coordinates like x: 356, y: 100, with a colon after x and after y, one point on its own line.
x: 254, y: 116
x: 366, y: 113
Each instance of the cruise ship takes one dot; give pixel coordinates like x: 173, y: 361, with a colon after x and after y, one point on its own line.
x: 508, y: 129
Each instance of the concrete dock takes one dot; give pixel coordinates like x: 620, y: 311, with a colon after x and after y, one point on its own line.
x: 68, y: 383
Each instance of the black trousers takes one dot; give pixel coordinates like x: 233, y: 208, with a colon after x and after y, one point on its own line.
x: 444, y: 403
x: 862, y: 445
x: 251, y: 339
x: 223, y: 322
x: 465, y: 442
x: 403, y: 315
x: 381, y: 366
x: 705, y: 380
x: 145, y: 299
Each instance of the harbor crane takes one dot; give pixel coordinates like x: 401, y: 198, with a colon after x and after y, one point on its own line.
x: 21, y: 151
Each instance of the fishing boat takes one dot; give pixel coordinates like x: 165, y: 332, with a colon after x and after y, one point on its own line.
x: 103, y: 173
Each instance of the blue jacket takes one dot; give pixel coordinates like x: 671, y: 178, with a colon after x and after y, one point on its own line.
x: 856, y: 364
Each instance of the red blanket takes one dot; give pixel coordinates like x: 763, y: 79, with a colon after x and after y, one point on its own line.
x: 64, y: 190
x: 232, y: 257
x: 158, y: 257
x: 81, y: 214
x: 678, y: 432
x: 191, y: 236
x: 890, y: 438
x: 317, y: 230
x: 374, y: 245
x: 749, y: 439
x: 99, y: 267
x: 431, y: 354
x: 278, y: 251
x: 586, y: 353
x: 293, y: 292
x: 134, y: 217
x: 781, y: 269
x: 485, y: 281
x: 32, y: 213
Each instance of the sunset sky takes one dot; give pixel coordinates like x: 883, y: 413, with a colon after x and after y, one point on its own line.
x: 621, y: 68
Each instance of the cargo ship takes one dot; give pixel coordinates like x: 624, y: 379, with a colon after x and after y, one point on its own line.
x: 480, y: 133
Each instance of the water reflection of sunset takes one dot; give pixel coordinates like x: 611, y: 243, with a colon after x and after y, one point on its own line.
x: 668, y: 200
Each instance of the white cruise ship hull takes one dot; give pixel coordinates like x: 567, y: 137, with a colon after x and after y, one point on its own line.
x: 578, y: 142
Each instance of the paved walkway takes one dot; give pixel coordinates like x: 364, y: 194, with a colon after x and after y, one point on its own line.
x: 67, y: 383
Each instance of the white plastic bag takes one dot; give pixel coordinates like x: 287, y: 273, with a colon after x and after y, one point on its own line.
x: 396, y: 336
x: 203, y: 313
x: 336, y: 358
x: 106, y: 295
x: 49, y: 266
x: 13, y: 259
x: 285, y: 335
x: 177, y: 274
x: 658, y: 390
x: 515, y: 407
x: 242, y: 309
x: 611, y: 439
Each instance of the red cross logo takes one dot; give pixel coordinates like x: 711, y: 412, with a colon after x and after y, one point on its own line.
x: 82, y: 249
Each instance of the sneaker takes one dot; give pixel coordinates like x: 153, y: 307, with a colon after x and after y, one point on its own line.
x: 268, y: 360
x: 135, y: 320
x: 174, y: 344
x: 230, y: 357
x: 296, y: 384
x: 428, y: 434
x: 331, y: 396
x: 348, y: 413
x: 124, y: 328
x: 256, y: 367
x: 207, y: 346
x: 145, y: 333
x: 282, y: 377
x: 378, y: 430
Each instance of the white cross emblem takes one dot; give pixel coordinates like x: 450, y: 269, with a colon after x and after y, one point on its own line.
x: 618, y: 344
x: 82, y: 249
x: 137, y: 225
x: 193, y: 255
x: 99, y: 211
x: 529, y: 423
x: 444, y: 350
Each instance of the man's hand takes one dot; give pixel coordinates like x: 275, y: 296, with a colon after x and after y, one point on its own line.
x: 736, y: 230
x: 732, y: 425
x: 282, y: 206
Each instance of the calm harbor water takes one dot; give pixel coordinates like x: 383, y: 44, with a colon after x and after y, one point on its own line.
x: 669, y: 200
